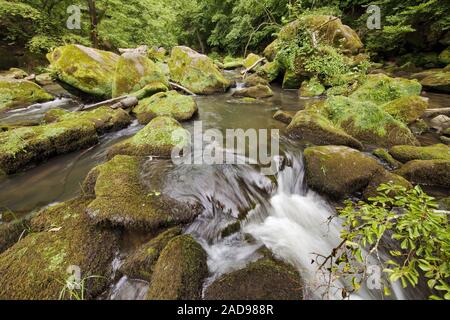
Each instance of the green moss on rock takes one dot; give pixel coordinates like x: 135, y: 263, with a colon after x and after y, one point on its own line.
x: 140, y: 264
x: 313, y: 127
x: 265, y: 279
x: 438, y: 81
x: 257, y: 92
x: 384, y: 177
x: 427, y: 172
x: 444, y: 57
x: 11, y: 232
x: 133, y: 72
x: 179, y: 271
x: 384, y: 155
x: 158, y: 138
x: 407, y: 109
x: 283, y: 116
x: 254, y: 80
x: 408, y: 153
x: 250, y: 60
x: 270, y: 71
x: 20, y: 93
x: 339, y: 171
x: 87, y: 69
x: 311, y: 88
x: 35, y: 268
x: 292, y: 80
x: 196, y: 71
x: 171, y: 104
x: 122, y: 200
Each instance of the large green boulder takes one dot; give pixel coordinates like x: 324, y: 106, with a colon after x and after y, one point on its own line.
x: 133, y: 72
x: 37, y: 267
x: 171, y: 104
x: 427, y: 172
x: 180, y: 271
x: 270, y: 71
x: 20, y: 93
x: 250, y: 60
x: 270, y: 52
x: 158, y: 138
x: 122, y: 200
x: 86, y: 69
x: 265, y: 279
x: 444, y: 57
x: 339, y: 171
x: 257, y: 92
x: 407, y: 109
x: 292, y: 80
x: 313, y: 127
x: 196, y: 71
x: 437, y: 81
x: 408, y: 153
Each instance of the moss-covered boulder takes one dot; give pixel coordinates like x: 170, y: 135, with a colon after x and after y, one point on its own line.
x: 122, y: 200
x: 171, y: 104
x: 250, y: 60
x: 179, y: 271
x: 408, y: 153
x: 157, y: 138
x: 283, y: 116
x: 270, y: 71
x: 254, y: 80
x: 339, y: 171
x: 258, y: 92
x: 23, y: 147
x: 196, y: 71
x: 11, y: 232
x: 36, y: 267
x: 265, y: 279
x: 44, y: 79
x: 438, y: 81
x: 444, y: 57
x: 315, y: 128
x: 20, y: 93
x: 330, y: 30
x: 427, y: 172
x: 140, y: 264
x: 133, y: 72
x: 385, y: 156
x: 367, y: 122
x: 292, y: 80
x: 13, y: 73
x: 104, y: 118
x: 384, y: 177
x: 311, y: 88
x: 407, y: 109
x: 232, y: 63
x: 86, y: 69
x: 270, y: 52
x: 381, y: 89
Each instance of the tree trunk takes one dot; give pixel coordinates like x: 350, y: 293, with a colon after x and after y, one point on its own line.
x: 200, y: 42
x: 94, y: 22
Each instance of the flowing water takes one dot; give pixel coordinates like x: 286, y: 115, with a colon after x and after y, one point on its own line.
x: 277, y: 212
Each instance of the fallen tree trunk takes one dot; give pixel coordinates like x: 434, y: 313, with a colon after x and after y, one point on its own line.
x: 244, y: 73
x: 437, y: 111
x: 177, y: 86
x: 102, y: 103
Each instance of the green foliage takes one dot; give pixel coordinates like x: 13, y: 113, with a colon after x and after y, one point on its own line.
x: 421, y: 235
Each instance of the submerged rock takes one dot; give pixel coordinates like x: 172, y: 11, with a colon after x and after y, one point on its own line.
x: 427, y: 172
x: 133, y: 72
x: 104, y: 119
x: 196, y: 71
x: 122, y: 200
x: 179, y: 271
x: 339, y: 171
x: 171, y: 104
x: 438, y: 81
x: 257, y: 92
x: 141, y: 263
x: 158, y: 138
x: 86, y: 69
x: 265, y: 279
x: 315, y: 128
x: 23, y: 147
x: 36, y: 267
x: 408, y: 153
x: 20, y: 93
x: 407, y: 109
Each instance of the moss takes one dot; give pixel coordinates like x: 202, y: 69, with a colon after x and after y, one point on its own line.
x: 283, y: 116
x: 134, y: 72
x: 427, y: 172
x: 232, y: 63
x: 265, y: 279
x: 158, y: 138
x: 270, y: 52
x: 157, y: 54
x: 196, y: 72
x: 250, y: 60
x: 171, y: 104
x: 104, y: 118
x: 384, y: 178
x: 257, y: 92
x: 179, y: 271
x: 149, y: 90
x: 381, y: 89
x: 407, y: 109
x: 408, y: 153
x: 140, y: 264
x: 313, y: 127
x: 131, y: 205
x: 339, y: 171
x: 87, y: 69
x: 367, y: 122
x: 444, y: 57
x: 254, y: 80
x: 311, y: 88
x: 11, y: 232
x: 384, y: 155
x: 20, y: 93
x: 438, y: 81
x: 270, y: 71
x: 36, y: 266
x: 292, y: 80
x: 232, y: 228
x: 23, y: 147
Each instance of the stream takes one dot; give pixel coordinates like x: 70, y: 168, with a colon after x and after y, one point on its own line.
x: 281, y: 214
